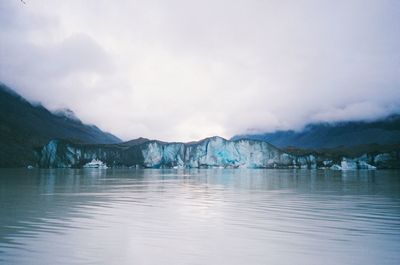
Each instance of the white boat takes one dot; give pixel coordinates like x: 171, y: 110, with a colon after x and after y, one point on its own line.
x: 95, y: 163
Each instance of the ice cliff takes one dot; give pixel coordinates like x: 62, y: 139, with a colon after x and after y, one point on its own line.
x: 208, y: 153
x: 214, y: 152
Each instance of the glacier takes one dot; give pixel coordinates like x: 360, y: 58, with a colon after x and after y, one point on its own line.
x: 213, y: 152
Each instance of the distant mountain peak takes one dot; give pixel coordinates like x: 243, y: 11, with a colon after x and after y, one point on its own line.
x: 329, y: 135
x: 137, y: 141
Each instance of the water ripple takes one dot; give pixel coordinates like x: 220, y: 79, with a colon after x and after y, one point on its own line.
x: 199, y: 217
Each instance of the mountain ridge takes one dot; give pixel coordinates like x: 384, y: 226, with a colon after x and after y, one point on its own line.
x: 383, y: 131
x: 24, y: 126
x: 29, y: 131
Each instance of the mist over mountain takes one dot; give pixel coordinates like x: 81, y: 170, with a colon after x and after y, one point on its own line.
x: 331, y: 135
x: 67, y: 114
x: 193, y: 69
x: 24, y: 126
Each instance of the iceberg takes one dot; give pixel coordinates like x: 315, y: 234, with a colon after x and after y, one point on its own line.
x: 95, y: 163
x: 348, y: 164
x: 365, y: 165
x: 336, y: 167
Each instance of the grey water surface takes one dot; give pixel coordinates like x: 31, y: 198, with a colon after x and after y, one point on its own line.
x: 221, y: 216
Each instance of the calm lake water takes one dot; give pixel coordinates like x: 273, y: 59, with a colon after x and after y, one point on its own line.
x: 94, y: 216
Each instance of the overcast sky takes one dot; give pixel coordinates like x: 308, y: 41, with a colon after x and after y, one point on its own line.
x: 184, y: 70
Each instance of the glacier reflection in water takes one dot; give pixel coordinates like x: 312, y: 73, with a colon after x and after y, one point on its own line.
x: 93, y: 216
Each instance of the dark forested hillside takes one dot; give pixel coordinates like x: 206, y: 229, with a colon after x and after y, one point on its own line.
x: 24, y: 126
x: 344, y: 134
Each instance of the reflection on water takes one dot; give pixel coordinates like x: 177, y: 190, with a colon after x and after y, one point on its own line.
x: 199, y: 217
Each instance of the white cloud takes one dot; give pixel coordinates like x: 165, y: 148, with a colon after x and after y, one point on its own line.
x: 355, y: 111
x: 183, y: 70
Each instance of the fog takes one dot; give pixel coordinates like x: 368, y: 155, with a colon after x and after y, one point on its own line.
x: 183, y: 70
